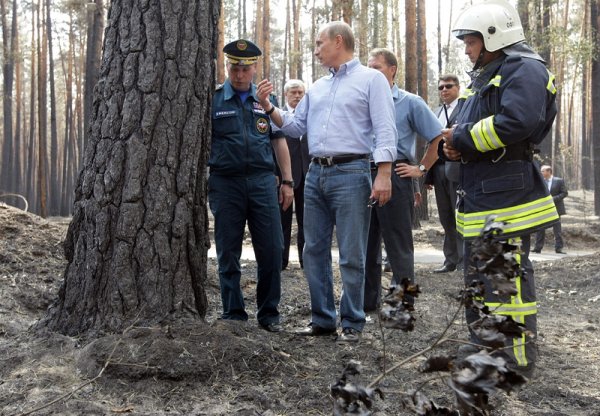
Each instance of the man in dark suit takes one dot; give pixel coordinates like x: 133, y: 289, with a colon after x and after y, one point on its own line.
x: 444, y: 175
x: 558, y: 190
x: 298, y: 146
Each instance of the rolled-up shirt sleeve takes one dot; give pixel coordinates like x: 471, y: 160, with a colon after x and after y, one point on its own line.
x: 381, y: 107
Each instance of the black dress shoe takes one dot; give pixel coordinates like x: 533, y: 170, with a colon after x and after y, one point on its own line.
x: 445, y: 269
x: 272, y: 327
x: 559, y: 251
x: 536, y: 251
x: 315, y: 331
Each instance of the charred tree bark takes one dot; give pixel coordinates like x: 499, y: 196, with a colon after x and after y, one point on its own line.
x: 137, y: 244
x: 95, y: 17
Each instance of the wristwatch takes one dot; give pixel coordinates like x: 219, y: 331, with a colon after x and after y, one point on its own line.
x: 290, y: 183
x: 422, y: 169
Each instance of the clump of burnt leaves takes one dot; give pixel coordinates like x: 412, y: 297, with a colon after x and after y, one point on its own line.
x: 472, y: 378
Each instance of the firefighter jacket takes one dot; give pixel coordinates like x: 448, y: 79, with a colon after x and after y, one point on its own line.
x: 509, y: 107
x: 241, y: 134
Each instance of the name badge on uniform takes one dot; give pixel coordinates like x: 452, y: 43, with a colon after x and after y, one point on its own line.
x: 225, y: 113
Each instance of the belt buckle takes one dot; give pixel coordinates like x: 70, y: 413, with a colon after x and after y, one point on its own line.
x: 326, y: 161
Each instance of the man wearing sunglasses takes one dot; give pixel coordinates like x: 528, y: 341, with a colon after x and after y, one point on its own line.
x: 444, y: 174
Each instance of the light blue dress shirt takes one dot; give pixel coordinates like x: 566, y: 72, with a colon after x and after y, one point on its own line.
x: 347, y: 112
x: 413, y: 117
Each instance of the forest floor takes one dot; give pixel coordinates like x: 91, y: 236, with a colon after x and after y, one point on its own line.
x: 192, y: 367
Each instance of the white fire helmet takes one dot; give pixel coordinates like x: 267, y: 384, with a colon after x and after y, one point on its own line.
x: 496, y: 20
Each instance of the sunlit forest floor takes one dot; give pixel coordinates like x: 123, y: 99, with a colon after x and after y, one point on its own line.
x: 190, y: 367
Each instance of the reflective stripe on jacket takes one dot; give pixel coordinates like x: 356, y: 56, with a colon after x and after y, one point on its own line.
x: 508, y: 108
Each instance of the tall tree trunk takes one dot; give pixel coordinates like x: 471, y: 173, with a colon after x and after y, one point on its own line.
x: 43, y: 113
x: 296, y: 52
x: 266, y: 35
x: 595, y: 16
x: 70, y: 137
x: 523, y: 9
x: 19, y: 155
x: 313, y: 37
x: 95, y: 19
x: 220, y: 45
x: 363, y: 31
x: 375, y: 23
x: 546, y: 146
x: 31, y: 151
x: 384, y: 23
x: 439, y: 36
x: 398, y: 43
x: 137, y: 245
x: 410, y: 48
x: 422, y: 213
x: 347, y: 11
x: 6, y: 172
x: 287, y: 47
x: 258, y: 35
x: 422, y: 48
x: 55, y: 180
x: 450, y: 37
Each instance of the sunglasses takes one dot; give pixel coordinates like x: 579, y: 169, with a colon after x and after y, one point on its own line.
x: 445, y: 86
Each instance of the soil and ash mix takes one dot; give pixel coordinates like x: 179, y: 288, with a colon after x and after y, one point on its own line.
x: 185, y: 366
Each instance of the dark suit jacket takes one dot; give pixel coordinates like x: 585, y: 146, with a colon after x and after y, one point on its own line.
x: 451, y: 168
x: 558, y: 190
x: 299, y: 157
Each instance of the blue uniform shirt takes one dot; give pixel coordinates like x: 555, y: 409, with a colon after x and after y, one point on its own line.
x: 413, y: 117
x: 241, y: 134
x: 343, y: 111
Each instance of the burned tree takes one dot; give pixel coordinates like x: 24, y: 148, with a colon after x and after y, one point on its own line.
x: 137, y: 244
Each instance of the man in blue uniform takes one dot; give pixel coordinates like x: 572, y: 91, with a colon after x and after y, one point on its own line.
x: 510, y: 107
x: 242, y: 187
x: 393, y: 221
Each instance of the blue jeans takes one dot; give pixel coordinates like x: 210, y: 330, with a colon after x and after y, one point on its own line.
x: 337, y: 196
x: 233, y: 201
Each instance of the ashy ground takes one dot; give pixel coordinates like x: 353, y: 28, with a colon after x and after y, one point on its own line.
x: 190, y: 367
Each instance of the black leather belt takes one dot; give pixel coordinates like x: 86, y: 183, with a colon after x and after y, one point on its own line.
x: 336, y: 160
x: 517, y: 151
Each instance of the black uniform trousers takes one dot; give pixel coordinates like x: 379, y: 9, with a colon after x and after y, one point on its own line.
x: 286, y: 224
x: 445, y: 198
x: 233, y: 201
x: 393, y: 222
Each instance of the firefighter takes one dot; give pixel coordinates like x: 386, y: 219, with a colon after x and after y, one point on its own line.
x: 509, y: 108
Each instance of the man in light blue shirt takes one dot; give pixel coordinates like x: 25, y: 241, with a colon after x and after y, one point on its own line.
x: 346, y: 114
x: 394, y: 220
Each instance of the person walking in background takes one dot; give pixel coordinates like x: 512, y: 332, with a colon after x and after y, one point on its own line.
x: 294, y: 90
x: 393, y: 221
x: 444, y: 175
x: 242, y: 187
x: 348, y: 115
x: 510, y: 109
x: 558, y: 190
